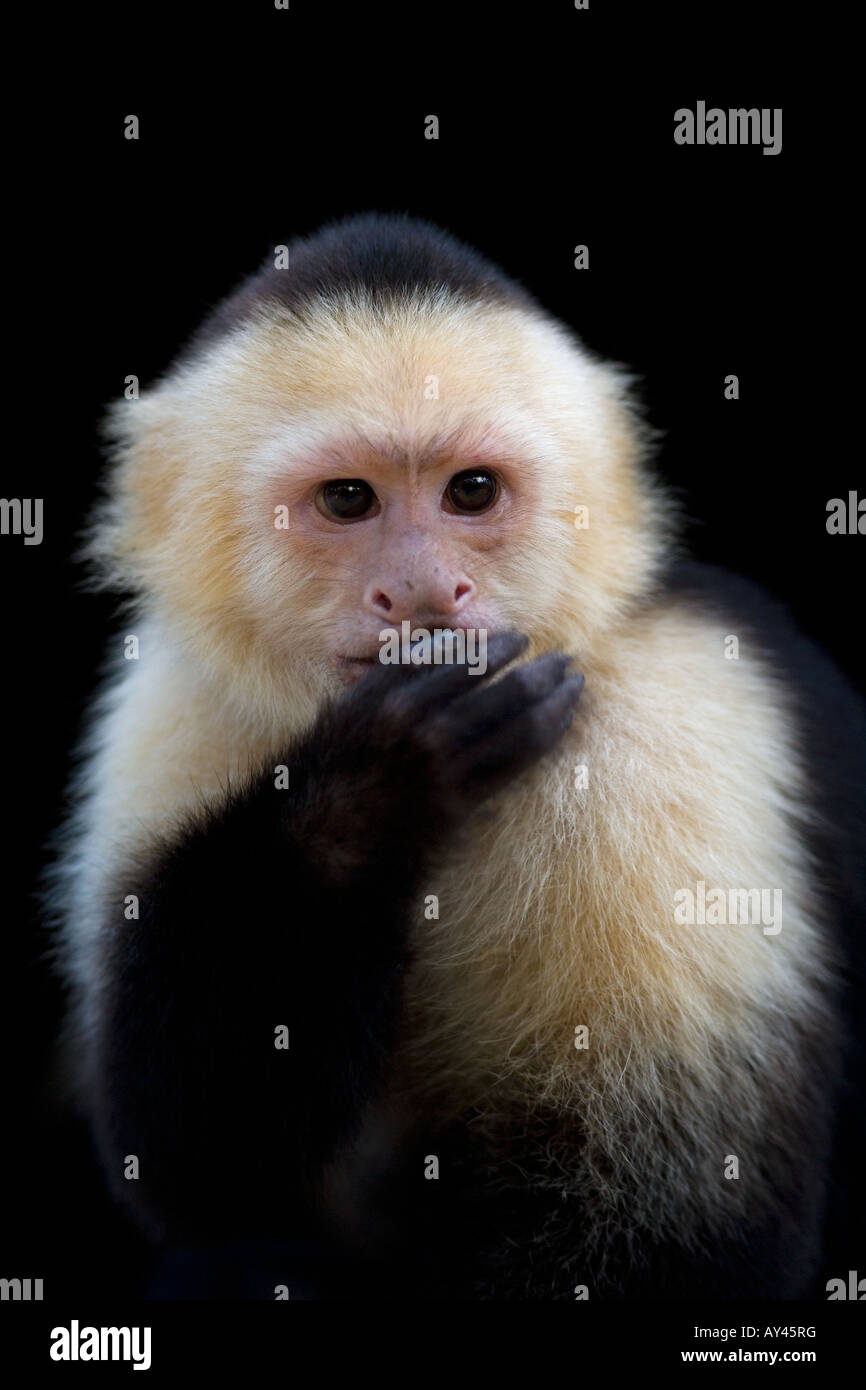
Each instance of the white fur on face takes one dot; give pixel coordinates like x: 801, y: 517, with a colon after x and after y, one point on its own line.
x: 206, y: 458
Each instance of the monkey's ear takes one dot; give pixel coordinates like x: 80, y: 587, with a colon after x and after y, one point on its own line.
x: 138, y: 492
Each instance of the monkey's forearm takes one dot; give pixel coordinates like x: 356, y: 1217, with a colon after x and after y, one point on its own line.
x: 245, y: 1016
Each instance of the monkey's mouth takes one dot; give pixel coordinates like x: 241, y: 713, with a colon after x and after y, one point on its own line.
x: 349, y: 661
x: 352, y: 668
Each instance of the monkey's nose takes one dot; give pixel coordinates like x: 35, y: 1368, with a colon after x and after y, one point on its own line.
x: 419, y: 602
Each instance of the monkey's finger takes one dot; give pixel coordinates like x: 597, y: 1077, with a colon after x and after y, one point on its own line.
x: 512, y: 695
x: 442, y: 684
x: 520, y: 740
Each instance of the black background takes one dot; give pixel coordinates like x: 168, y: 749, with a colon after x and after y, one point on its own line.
x: 257, y: 125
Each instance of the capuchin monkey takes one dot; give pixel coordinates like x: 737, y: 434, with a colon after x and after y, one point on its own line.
x: 525, y: 977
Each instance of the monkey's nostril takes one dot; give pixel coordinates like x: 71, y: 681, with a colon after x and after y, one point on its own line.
x: 381, y: 600
x: 461, y: 591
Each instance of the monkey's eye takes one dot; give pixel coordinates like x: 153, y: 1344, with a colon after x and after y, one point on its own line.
x: 473, y: 490
x: 346, y: 499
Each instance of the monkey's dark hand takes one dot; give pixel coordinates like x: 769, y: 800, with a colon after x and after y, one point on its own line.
x: 475, y: 736
x: 409, y: 751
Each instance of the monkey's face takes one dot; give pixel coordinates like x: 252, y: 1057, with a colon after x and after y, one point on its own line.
x: 306, y: 484
x: 414, y: 528
x: 419, y: 537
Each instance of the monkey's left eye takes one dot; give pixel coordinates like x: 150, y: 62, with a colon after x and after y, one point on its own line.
x: 472, y: 490
x: 346, y: 499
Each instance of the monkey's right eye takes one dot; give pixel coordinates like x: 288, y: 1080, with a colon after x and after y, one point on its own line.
x: 346, y: 499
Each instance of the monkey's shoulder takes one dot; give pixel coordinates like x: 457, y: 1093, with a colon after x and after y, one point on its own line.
x: 714, y: 673
x: 730, y: 660
x: 828, y: 713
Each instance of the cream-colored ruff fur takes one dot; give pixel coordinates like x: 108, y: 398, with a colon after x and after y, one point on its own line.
x: 556, y: 903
